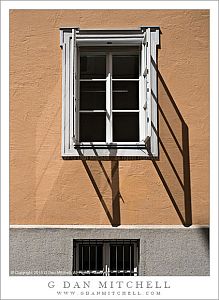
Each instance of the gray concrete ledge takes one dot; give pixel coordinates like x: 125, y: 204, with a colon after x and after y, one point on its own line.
x: 163, y: 251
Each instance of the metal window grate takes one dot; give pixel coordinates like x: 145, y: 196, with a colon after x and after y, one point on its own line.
x: 105, y: 257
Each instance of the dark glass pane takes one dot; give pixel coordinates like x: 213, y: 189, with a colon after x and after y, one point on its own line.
x: 92, y: 127
x: 93, y: 257
x: 112, y: 259
x: 125, y: 95
x: 125, y: 66
x: 132, y: 257
x: 92, y: 95
x: 100, y: 257
x: 80, y: 257
x: 119, y: 257
x: 125, y: 127
x: 127, y: 255
x: 92, y: 66
x: 85, y: 265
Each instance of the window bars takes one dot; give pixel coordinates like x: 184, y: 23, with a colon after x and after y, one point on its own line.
x: 105, y: 257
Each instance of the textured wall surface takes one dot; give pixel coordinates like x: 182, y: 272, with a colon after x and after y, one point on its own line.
x: 45, y: 189
x: 163, y: 252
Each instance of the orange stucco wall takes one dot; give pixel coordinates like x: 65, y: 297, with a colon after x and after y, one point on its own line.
x: 45, y: 189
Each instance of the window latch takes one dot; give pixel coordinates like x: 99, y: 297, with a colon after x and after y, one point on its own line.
x: 74, y: 140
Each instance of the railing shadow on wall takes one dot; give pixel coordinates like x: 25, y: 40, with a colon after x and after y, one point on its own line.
x: 111, y: 207
x: 172, y: 164
x: 104, y: 176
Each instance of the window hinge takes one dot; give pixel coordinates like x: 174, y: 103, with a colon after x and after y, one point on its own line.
x: 147, y: 139
x: 145, y: 105
x: 145, y: 72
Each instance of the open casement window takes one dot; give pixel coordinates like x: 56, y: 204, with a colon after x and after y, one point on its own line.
x: 105, y: 257
x: 109, y: 92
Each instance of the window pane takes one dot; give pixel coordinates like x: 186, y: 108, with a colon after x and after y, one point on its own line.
x: 93, y: 257
x: 92, y: 127
x: 127, y: 262
x: 80, y: 257
x: 96, y: 260
x: 120, y: 257
x: 100, y: 257
x: 92, y: 66
x: 112, y: 259
x: 132, y: 257
x: 125, y: 66
x: 125, y: 95
x: 85, y: 265
x: 92, y: 95
x: 125, y: 127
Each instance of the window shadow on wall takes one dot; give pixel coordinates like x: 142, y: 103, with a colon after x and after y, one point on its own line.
x: 173, y: 165
x: 104, y: 176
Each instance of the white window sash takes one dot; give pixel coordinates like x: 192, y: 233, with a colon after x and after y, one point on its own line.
x: 148, y: 120
x: 142, y: 90
x: 67, y: 119
x: 74, y: 88
x: 108, y: 41
x: 146, y: 89
x: 109, y: 111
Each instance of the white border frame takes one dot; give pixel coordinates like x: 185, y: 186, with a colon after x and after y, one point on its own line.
x: 190, y: 287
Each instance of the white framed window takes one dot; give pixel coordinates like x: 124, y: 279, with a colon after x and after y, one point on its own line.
x: 109, y: 92
x: 105, y: 257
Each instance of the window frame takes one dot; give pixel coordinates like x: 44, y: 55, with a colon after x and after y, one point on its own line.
x: 109, y: 97
x: 71, y: 41
x: 106, y: 257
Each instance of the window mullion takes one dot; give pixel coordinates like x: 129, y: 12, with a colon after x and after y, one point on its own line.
x: 109, y: 98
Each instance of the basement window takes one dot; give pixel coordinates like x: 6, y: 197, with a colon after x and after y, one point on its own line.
x: 105, y: 257
x: 109, y: 92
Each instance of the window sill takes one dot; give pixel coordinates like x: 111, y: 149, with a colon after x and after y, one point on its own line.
x: 113, y: 145
x: 110, y: 152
